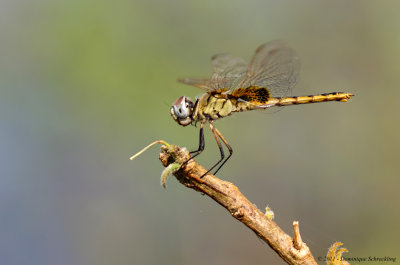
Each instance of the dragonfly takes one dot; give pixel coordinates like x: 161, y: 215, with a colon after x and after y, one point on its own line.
x: 236, y: 86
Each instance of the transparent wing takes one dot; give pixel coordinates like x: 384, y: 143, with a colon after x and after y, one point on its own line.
x: 228, y: 70
x: 273, y: 66
x: 203, y: 83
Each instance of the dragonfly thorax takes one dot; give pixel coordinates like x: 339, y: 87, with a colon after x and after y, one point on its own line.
x: 181, y: 111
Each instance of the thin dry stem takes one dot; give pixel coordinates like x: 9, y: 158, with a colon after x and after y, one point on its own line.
x: 147, y: 147
x: 293, y: 251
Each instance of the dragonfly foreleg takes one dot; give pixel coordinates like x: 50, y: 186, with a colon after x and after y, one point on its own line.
x: 202, y: 145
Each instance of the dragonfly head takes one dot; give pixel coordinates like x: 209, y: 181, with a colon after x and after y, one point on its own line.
x: 181, y: 111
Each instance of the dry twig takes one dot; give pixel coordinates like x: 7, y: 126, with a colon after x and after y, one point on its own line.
x: 291, y: 250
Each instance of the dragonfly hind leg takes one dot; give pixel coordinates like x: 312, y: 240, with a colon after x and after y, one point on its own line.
x: 229, y: 149
x: 217, y: 136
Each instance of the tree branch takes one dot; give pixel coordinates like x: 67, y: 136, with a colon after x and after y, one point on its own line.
x: 291, y: 250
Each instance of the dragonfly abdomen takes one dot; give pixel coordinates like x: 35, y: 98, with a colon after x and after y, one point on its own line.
x: 285, y: 101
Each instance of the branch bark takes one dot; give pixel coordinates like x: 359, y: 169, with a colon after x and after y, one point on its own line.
x: 291, y: 250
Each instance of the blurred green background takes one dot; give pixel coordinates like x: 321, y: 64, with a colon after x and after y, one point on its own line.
x: 86, y: 84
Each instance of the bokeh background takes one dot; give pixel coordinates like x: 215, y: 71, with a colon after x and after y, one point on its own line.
x: 86, y: 84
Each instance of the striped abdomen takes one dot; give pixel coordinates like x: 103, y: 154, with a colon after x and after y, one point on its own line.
x: 285, y: 101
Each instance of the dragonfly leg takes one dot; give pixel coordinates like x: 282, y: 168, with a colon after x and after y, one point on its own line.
x: 202, y: 145
x: 214, y: 131
x: 227, y: 145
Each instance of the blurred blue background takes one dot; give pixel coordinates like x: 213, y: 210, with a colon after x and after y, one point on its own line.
x: 86, y: 84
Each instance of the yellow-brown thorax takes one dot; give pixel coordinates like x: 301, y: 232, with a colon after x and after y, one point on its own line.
x: 212, y: 106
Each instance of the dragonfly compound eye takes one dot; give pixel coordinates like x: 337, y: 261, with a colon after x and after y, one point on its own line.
x: 181, y: 111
